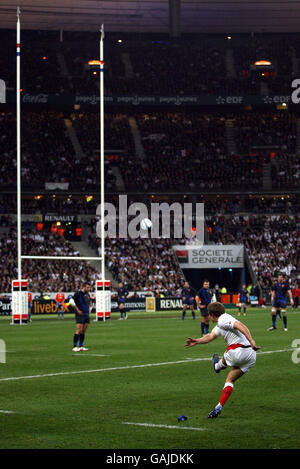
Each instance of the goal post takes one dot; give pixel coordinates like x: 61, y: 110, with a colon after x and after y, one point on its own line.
x: 20, y: 287
x: 19, y: 302
x: 103, y: 300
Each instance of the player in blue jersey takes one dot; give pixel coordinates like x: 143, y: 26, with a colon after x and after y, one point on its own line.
x: 82, y: 306
x: 203, y: 299
x: 188, y: 297
x: 280, y: 290
x: 29, y: 306
x: 122, y: 295
x: 243, y: 299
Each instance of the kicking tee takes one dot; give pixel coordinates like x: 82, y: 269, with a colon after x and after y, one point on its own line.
x: 225, y: 328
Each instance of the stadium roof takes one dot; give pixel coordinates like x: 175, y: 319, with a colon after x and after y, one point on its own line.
x: 202, y: 16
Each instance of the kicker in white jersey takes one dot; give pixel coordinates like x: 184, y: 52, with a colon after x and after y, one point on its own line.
x: 240, y: 353
x: 225, y: 328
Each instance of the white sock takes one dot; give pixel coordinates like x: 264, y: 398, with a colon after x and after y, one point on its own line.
x: 220, y: 365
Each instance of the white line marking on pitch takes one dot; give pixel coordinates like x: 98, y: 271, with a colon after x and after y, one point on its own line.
x: 6, y: 412
x: 89, y: 355
x: 129, y: 367
x: 173, y: 427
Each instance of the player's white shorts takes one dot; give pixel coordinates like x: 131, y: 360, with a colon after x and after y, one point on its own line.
x: 244, y: 358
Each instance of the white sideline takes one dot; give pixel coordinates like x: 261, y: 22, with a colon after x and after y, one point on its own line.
x: 164, y: 426
x: 129, y: 367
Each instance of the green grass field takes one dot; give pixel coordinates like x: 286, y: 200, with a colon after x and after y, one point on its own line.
x: 138, y: 372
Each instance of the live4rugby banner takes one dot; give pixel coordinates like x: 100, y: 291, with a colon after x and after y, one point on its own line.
x: 210, y: 256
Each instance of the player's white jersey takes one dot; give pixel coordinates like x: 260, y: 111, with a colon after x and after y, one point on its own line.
x: 225, y: 328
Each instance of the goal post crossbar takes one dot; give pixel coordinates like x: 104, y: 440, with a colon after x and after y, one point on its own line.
x: 66, y: 258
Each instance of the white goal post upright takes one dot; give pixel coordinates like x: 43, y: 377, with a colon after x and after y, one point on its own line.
x: 102, y: 150
x: 18, y: 91
x: 20, y: 286
x: 103, y: 287
x: 19, y: 303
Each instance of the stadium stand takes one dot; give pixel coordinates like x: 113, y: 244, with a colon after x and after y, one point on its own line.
x: 250, y: 154
x: 41, y: 279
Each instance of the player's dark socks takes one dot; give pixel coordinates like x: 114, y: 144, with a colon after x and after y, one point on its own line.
x: 193, y: 314
x: 274, y: 320
x: 206, y: 328
x: 76, y: 337
x: 81, y: 340
x: 202, y: 328
x: 183, y: 315
x: 284, y: 322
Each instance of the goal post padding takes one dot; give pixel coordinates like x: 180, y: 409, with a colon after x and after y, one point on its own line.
x: 103, y: 300
x: 19, y: 303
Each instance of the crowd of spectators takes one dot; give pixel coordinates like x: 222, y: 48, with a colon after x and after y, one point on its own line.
x: 159, y: 67
x: 183, y: 151
x: 190, y: 149
x: 213, y: 204
x: 174, y: 143
x: 142, y: 264
x: 140, y: 64
x: 272, y: 241
x: 43, y: 275
x: 50, y: 203
x: 48, y: 154
x: 117, y: 134
x: 148, y: 66
x: 281, y: 204
x: 285, y: 170
x: 275, y: 129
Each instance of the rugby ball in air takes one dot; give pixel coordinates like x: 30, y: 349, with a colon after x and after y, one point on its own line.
x: 146, y: 224
x: 71, y: 302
